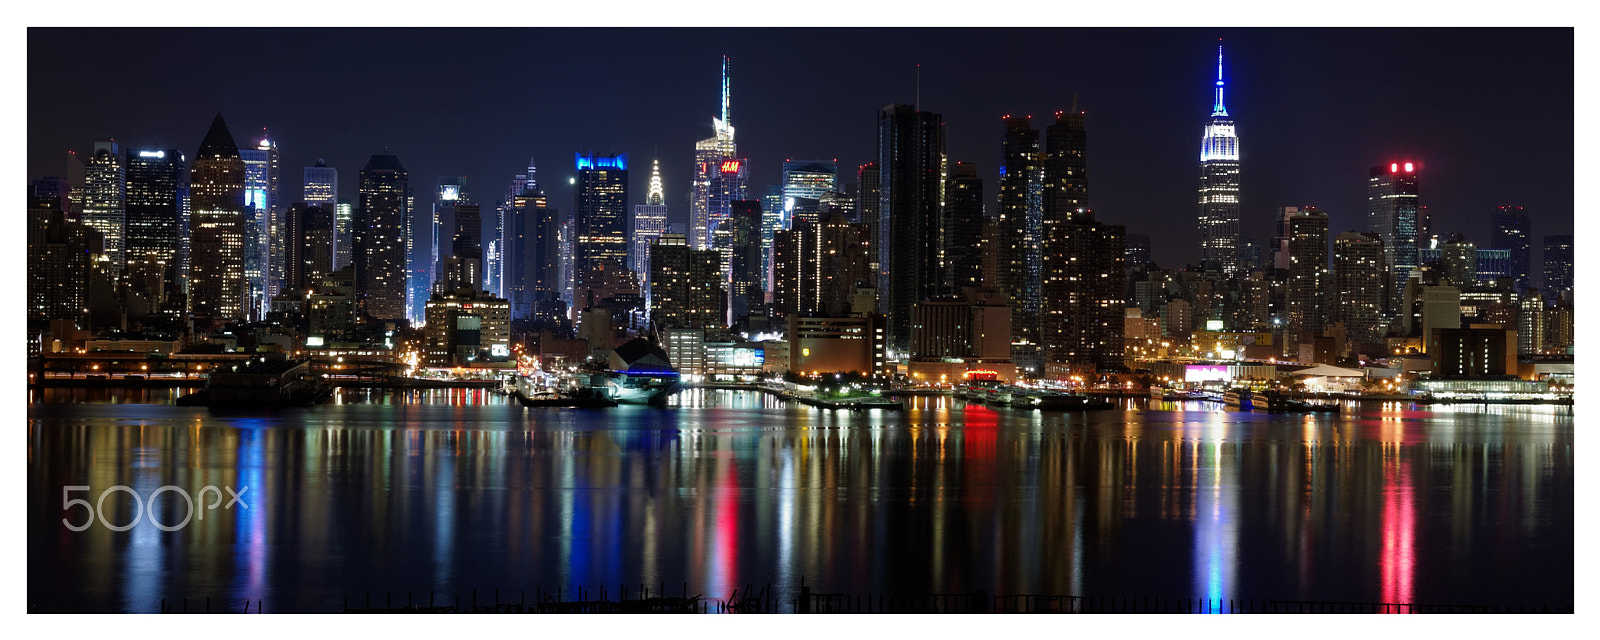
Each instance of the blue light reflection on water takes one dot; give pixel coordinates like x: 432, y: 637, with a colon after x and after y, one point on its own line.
x: 735, y: 490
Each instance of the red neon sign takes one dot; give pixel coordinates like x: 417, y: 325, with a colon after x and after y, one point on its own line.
x: 730, y: 166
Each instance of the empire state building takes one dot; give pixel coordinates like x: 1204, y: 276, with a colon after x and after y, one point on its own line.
x: 1219, y: 186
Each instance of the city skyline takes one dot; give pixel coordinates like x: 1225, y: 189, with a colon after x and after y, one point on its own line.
x: 1145, y: 105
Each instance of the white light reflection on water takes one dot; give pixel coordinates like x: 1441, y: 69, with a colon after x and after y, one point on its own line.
x: 1216, y: 538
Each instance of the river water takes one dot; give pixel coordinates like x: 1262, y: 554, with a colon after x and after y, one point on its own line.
x: 391, y: 492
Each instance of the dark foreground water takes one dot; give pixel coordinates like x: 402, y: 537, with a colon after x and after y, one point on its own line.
x: 449, y: 491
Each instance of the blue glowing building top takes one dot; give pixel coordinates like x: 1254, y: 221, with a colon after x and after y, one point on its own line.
x: 619, y: 161
x: 1219, y: 142
x: 1219, y: 109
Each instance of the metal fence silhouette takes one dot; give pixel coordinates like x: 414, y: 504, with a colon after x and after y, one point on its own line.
x: 750, y: 599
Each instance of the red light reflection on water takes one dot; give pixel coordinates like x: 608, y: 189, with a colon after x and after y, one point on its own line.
x: 1399, y: 558
x: 721, y: 573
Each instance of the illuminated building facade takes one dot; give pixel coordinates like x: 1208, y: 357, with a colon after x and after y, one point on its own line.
x: 1512, y: 232
x: 719, y: 175
x: 1219, y: 186
x: 61, y: 257
x: 105, y: 201
x: 838, y: 345
x: 217, y: 286
x: 687, y: 283
x: 806, y: 179
x: 1021, y: 201
x: 432, y: 247
x: 466, y: 325
x: 1458, y: 263
x: 462, y: 264
x: 320, y: 186
x: 600, y: 220
x: 157, y: 197
x: 344, y: 216
x: 817, y: 266
x: 963, y: 234
x: 1359, y: 284
x: 1084, y: 298
x: 309, y: 257
x: 1392, y: 214
x: 261, y: 242
x: 1305, y: 292
x: 1558, y: 266
x: 869, y: 192
x: 911, y: 158
x: 649, y: 222
x: 379, y: 238
x: 500, y: 273
x: 746, y: 270
x: 449, y: 193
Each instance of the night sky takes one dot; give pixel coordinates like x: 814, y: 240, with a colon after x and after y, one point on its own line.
x: 1488, y: 113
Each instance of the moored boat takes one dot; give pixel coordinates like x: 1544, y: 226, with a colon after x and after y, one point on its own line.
x: 1237, y: 398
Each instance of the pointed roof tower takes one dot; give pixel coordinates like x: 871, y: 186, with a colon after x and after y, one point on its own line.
x: 533, y: 177
x: 656, y: 196
x: 1219, y: 109
x: 218, y: 142
x: 725, y: 92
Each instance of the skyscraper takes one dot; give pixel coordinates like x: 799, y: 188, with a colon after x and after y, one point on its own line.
x: 217, y: 286
x: 1066, y: 166
x: 1305, y: 292
x: 771, y: 223
x: 379, y: 238
x: 649, y: 222
x: 344, y: 220
x: 276, y: 210
x: 600, y: 220
x: 309, y: 256
x: 963, y: 209
x: 817, y: 266
x: 532, y: 250
x: 1021, y: 202
x: 1219, y: 186
x: 1083, y: 297
x: 429, y: 274
x: 687, y: 284
x: 1558, y: 266
x: 60, y: 258
x: 1359, y: 282
x: 1458, y: 263
x: 261, y: 242
x: 744, y: 285
x: 462, y: 244
x: 320, y: 186
x: 449, y: 193
x: 500, y: 273
x: 1081, y: 315
x: 868, y: 202
x: 719, y: 176
x: 807, y: 179
x: 157, y: 192
x: 1392, y: 214
x: 911, y: 157
x: 1513, y: 232
x: 105, y: 201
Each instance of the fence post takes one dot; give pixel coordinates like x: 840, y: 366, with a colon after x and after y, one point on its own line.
x: 805, y: 599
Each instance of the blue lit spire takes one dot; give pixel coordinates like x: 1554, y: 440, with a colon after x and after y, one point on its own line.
x: 726, y: 121
x: 1219, y: 109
